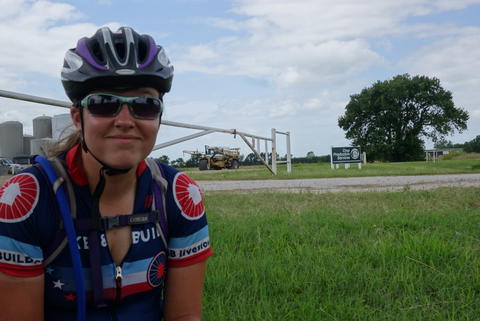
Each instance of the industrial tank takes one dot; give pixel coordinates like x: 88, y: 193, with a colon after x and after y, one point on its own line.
x: 26, y: 144
x: 62, y: 126
x: 38, y: 146
x: 11, y: 139
x: 42, y: 127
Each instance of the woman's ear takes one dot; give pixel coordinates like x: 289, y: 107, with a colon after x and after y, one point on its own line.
x: 75, y: 113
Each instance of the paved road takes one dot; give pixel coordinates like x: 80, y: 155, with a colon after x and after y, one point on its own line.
x: 322, y: 185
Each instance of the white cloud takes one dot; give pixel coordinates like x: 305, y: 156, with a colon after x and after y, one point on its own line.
x: 456, y: 62
x: 36, y: 34
x: 295, y: 42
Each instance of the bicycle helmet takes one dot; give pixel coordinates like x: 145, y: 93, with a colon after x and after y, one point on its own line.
x: 115, y: 60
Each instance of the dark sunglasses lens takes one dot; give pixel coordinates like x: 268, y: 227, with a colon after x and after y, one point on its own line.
x: 146, y: 108
x: 102, y: 105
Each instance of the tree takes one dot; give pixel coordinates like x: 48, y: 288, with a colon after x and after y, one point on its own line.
x: 390, y: 119
x: 179, y: 162
x: 443, y: 143
x: 310, y: 154
x: 251, y: 159
x: 472, y: 146
x: 193, y: 161
x: 164, y: 159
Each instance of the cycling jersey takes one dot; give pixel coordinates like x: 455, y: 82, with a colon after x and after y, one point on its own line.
x: 30, y: 225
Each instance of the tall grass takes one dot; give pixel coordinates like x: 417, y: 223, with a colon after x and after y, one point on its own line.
x: 355, y: 256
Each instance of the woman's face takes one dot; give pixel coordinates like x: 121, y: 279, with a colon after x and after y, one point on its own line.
x: 121, y: 141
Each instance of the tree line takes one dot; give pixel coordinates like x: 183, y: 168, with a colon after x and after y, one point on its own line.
x: 472, y: 146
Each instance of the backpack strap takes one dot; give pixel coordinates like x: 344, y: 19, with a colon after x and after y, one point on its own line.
x: 63, y: 205
x: 61, y: 239
x: 160, y: 187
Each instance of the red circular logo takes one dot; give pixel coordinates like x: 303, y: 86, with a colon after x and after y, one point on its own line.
x: 156, y: 270
x: 18, y: 198
x: 188, y: 197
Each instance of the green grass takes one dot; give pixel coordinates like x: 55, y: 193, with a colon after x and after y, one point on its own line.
x: 411, y: 255
x: 320, y: 170
x: 460, y: 155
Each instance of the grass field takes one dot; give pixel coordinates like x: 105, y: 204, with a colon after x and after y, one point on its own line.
x: 353, y: 256
x: 320, y: 170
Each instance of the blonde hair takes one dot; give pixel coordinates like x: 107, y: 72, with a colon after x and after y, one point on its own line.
x: 63, y: 145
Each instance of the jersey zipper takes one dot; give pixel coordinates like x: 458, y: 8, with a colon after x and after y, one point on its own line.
x: 118, y: 282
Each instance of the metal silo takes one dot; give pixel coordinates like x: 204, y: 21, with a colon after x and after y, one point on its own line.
x: 62, y: 125
x: 42, y: 127
x: 26, y: 144
x: 38, y: 146
x: 11, y: 139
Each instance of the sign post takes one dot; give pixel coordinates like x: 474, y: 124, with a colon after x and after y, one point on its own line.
x: 346, y: 155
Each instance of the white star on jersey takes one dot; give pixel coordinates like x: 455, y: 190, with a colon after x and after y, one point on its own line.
x: 58, y: 284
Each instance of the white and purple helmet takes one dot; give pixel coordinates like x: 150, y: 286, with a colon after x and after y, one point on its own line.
x: 115, y: 60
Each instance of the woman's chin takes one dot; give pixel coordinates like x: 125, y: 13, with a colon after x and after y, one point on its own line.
x: 124, y: 164
x: 121, y: 162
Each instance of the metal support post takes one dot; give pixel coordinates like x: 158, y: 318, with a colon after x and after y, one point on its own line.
x: 274, y: 151
x: 289, y: 155
x: 266, y: 151
x: 331, y: 158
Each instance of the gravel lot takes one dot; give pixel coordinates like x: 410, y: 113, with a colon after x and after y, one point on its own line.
x: 322, y: 185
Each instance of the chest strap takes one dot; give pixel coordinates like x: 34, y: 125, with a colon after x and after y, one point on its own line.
x: 107, y: 223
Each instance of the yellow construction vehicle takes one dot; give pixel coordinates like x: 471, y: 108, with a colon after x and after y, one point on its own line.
x: 219, y: 157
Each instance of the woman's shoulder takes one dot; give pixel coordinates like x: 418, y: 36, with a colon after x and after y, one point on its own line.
x: 27, y: 198
x: 27, y: 216
x: 30, y: 179
x: 171, y: 173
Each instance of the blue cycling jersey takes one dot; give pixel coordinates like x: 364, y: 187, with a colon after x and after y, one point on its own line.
x: 30, y: 224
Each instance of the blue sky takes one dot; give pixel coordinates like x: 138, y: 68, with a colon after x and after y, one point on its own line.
x: 255, y: 64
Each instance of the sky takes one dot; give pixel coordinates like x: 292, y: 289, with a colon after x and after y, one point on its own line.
x: 254, y: 65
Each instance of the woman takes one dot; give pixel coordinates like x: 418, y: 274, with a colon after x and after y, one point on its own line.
x: 116, y: 82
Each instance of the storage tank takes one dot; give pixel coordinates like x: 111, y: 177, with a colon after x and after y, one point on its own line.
x: 38, y: 146
x: 26, y: 144
x: 62, y: 126
x: 11, y: 139
x: 42, y: 127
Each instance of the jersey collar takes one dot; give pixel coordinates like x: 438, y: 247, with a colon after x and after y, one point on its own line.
x: 77, y: 174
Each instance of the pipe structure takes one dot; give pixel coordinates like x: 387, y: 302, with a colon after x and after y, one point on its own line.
x: 205, y: 130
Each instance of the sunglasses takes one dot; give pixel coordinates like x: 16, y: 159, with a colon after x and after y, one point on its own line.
x: 109, y: 105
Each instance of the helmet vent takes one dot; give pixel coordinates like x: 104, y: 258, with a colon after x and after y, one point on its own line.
x: 120, y: 48
x: 142, y: 49
x: 97, y: 52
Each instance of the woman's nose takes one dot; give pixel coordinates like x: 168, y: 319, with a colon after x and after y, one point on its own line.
x: 124, y: 115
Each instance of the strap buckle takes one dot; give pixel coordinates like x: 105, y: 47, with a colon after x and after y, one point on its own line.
x: 111, y: 222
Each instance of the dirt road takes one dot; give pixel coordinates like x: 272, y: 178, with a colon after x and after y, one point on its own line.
x: 322, y: 185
